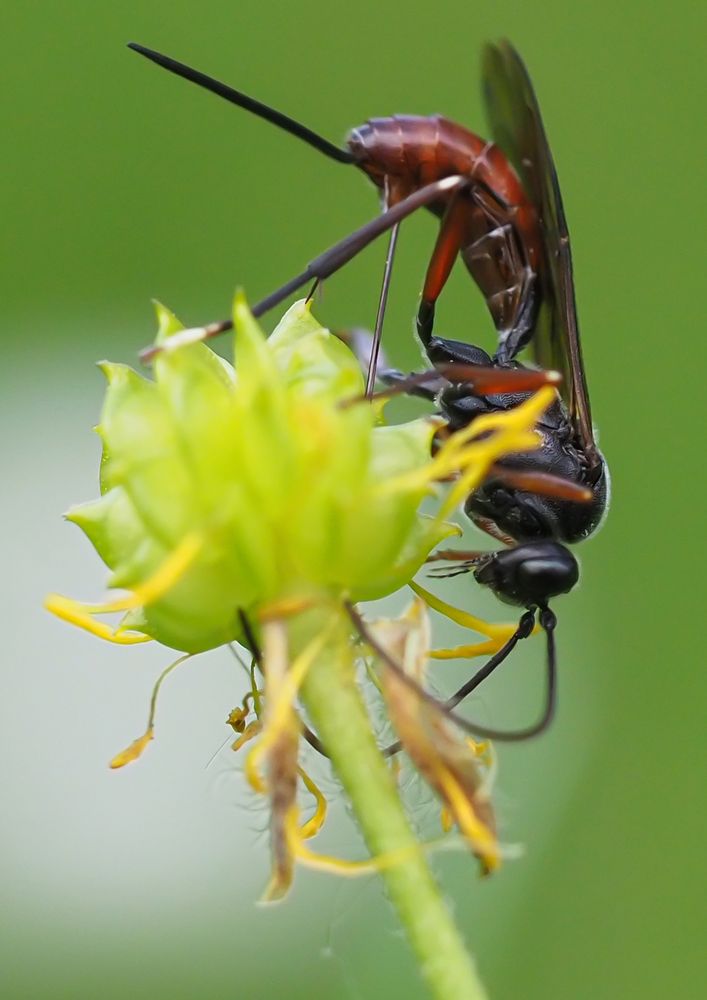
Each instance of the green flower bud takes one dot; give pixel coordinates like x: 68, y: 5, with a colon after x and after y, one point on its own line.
x: 227, y: 489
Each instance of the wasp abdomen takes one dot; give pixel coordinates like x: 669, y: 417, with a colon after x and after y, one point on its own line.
x: 402, y: 153
x: 412, y: 150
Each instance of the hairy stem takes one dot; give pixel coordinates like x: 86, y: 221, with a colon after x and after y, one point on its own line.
x: 334, y: 703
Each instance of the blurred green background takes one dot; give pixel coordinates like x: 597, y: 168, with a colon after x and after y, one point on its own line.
x: 120, y: 183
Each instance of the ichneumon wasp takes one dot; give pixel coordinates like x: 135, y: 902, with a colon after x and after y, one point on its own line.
x: 501, y: 210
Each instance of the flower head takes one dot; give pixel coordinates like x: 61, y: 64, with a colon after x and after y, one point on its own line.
x: 255, y: 502
x: 226, y: 491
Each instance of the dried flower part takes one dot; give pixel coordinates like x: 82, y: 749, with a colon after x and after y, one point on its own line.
x: 453, y: 766
x: 281, y: 759
x: 277, y: 751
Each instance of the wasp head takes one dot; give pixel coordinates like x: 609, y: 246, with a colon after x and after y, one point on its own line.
x: 529, y: 575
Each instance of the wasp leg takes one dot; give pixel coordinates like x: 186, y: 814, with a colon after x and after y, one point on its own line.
x: 465, y: 382
x: 543, y: 483
x: 411, y: 385
x: 447, y: 573
x: 380, y: 314
x: 326, y: 263
x: 498, y: 262
x: 447, y: 246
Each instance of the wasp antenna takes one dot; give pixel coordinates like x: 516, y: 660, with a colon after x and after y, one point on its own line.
x: 248, y: 103
x: 525, y: 628
x: 547, y: 621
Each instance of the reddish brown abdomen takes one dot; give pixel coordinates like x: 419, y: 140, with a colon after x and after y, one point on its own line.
x: 409, y: 151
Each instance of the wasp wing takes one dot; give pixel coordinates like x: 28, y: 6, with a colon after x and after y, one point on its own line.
x: 517, y: 127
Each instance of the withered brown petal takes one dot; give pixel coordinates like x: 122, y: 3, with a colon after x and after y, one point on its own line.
x: 448, y: 762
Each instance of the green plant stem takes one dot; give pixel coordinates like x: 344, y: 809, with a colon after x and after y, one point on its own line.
x: 335, y: 706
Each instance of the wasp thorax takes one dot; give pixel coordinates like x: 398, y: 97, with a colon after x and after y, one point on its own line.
x: 526, y: 516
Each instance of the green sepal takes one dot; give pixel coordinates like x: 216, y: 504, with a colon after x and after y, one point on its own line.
x: 326, y: 369
x: 118, y: 535
x: 425, y: 534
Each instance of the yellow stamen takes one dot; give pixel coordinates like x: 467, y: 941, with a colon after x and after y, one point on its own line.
x: 487, y: 648
x: 237, y: 717
x: 285, y: 608
x: 315, y: 822
x: 446, y: 819
x: 487, y: 754
x: 80, y: 615
x: 500, y: 632
x: 342, y: 866
x: 138, y: 746
x: 468, y: 454
x: 166, y: 576
x: 161, y: 581
x: 520, y: 418
x: 279, y: 705
x: 482, y: 748
x: 252, y: 730
x: 478, y: 834
x: 473, y: 464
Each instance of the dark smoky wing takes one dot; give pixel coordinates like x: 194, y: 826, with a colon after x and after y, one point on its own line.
x: 517, y: 127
